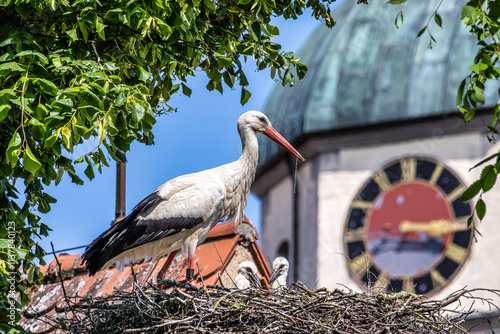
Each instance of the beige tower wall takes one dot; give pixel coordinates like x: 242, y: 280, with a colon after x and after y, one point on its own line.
x: 277, y: 226
x: 342, y: 174
x: 326, y: 186
x: 277, y: 215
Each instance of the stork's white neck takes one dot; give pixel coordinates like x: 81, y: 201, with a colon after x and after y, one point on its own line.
x: 250, y: 149
x: 280, y: 281
x: 240, y: 174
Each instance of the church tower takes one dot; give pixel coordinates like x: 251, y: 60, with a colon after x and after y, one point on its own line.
x: 377, y: 203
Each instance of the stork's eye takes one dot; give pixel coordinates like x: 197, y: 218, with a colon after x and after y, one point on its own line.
x: 262, y: 119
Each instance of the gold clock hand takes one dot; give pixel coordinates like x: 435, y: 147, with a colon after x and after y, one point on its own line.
x: 433, y: 228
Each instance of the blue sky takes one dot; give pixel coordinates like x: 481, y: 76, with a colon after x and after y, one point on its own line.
x: 201, y: 135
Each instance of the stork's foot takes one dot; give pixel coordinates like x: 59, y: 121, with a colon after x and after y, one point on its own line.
x: 189, y: 273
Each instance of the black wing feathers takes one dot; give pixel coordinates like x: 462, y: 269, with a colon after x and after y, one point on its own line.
x: 146, y: 203
x: 132, y: 232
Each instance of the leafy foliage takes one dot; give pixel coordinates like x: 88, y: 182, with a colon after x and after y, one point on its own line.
x: 434, y: 17
x: 485, y: 183
x: 483, y: 19
x: 484, y: 23
x: 76, y: 71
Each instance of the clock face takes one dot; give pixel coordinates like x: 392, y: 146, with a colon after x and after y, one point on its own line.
x: 407, y: 229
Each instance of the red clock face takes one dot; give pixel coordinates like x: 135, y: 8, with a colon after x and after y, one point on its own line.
x: 406, y: 228
x: 400, y: 252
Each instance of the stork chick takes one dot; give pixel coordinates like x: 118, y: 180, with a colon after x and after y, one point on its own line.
x: 247, y: 276
x: 280, y: 273
x: 181, y: 212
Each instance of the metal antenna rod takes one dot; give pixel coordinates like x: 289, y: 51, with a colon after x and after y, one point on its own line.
x: 120, y: 191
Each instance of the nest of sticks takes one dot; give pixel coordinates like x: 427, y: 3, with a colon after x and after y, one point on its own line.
x: 184, y: 308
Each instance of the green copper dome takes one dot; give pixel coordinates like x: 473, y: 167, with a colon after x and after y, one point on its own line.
x: 366, y: 71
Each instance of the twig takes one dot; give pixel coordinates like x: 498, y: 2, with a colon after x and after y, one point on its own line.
x: 96, y: 54
x: 218, y: 287
x: 300, y: 310
x: 220, y: 280
x: 224, y: 270
x: 132, y: 271
x: 166, y: 323
x: 201, y: 277
x: 66, y: 299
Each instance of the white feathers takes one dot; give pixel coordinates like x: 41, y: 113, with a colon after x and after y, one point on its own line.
x: 247, y: 276
x: 280, y: 273
x: 183, y: 210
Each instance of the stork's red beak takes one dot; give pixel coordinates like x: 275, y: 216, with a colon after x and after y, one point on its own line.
x: 275, y: 135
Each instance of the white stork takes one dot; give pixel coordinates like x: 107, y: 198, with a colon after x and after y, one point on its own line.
x: 247, y: 276
x: 181, y: 212
x: 280, y: 273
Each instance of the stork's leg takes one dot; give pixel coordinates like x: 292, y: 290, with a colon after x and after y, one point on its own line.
x: 145, y: 278
x: 190, y: 269
x: 191, y: 245
x: 168, y: 263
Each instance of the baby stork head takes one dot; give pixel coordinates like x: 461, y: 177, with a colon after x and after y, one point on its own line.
x: 280, y: 273
x: 247, y: 276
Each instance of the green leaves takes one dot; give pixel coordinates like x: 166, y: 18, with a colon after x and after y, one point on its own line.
x: 103, y: 71
x: 99, y: 27
x: 480, y: 208
x: 237, y: 306
x: 67, y: 138
x: 72, y: 34
x: 187, y: 91
x: 6, y: 68
x: 245, y: 95
x: 144, y: 75
x: 31, y: 163
x: 4, y: 111
x: 483, y: 22
x: 438, y: 20
x: 485, y: 183
x: 421, y: 31
x: 224, y: 61
x: 470, y: 14
x: 478, y: 68
x: 13, y: 149
x: 46, y: 86
x: 472, y: 191
x: 488, y: 177
x: 301, y: 70
x: 138, y: 112
x: 89, y: 171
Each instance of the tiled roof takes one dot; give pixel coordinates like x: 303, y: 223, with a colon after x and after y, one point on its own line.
x: 218, y: 258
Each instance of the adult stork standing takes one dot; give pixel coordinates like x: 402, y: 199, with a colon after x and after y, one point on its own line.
x: 181, y: 212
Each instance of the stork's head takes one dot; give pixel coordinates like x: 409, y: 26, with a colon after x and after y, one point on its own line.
x: 258, y: 122
x: 249, y: 270
x: 280, y: 269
